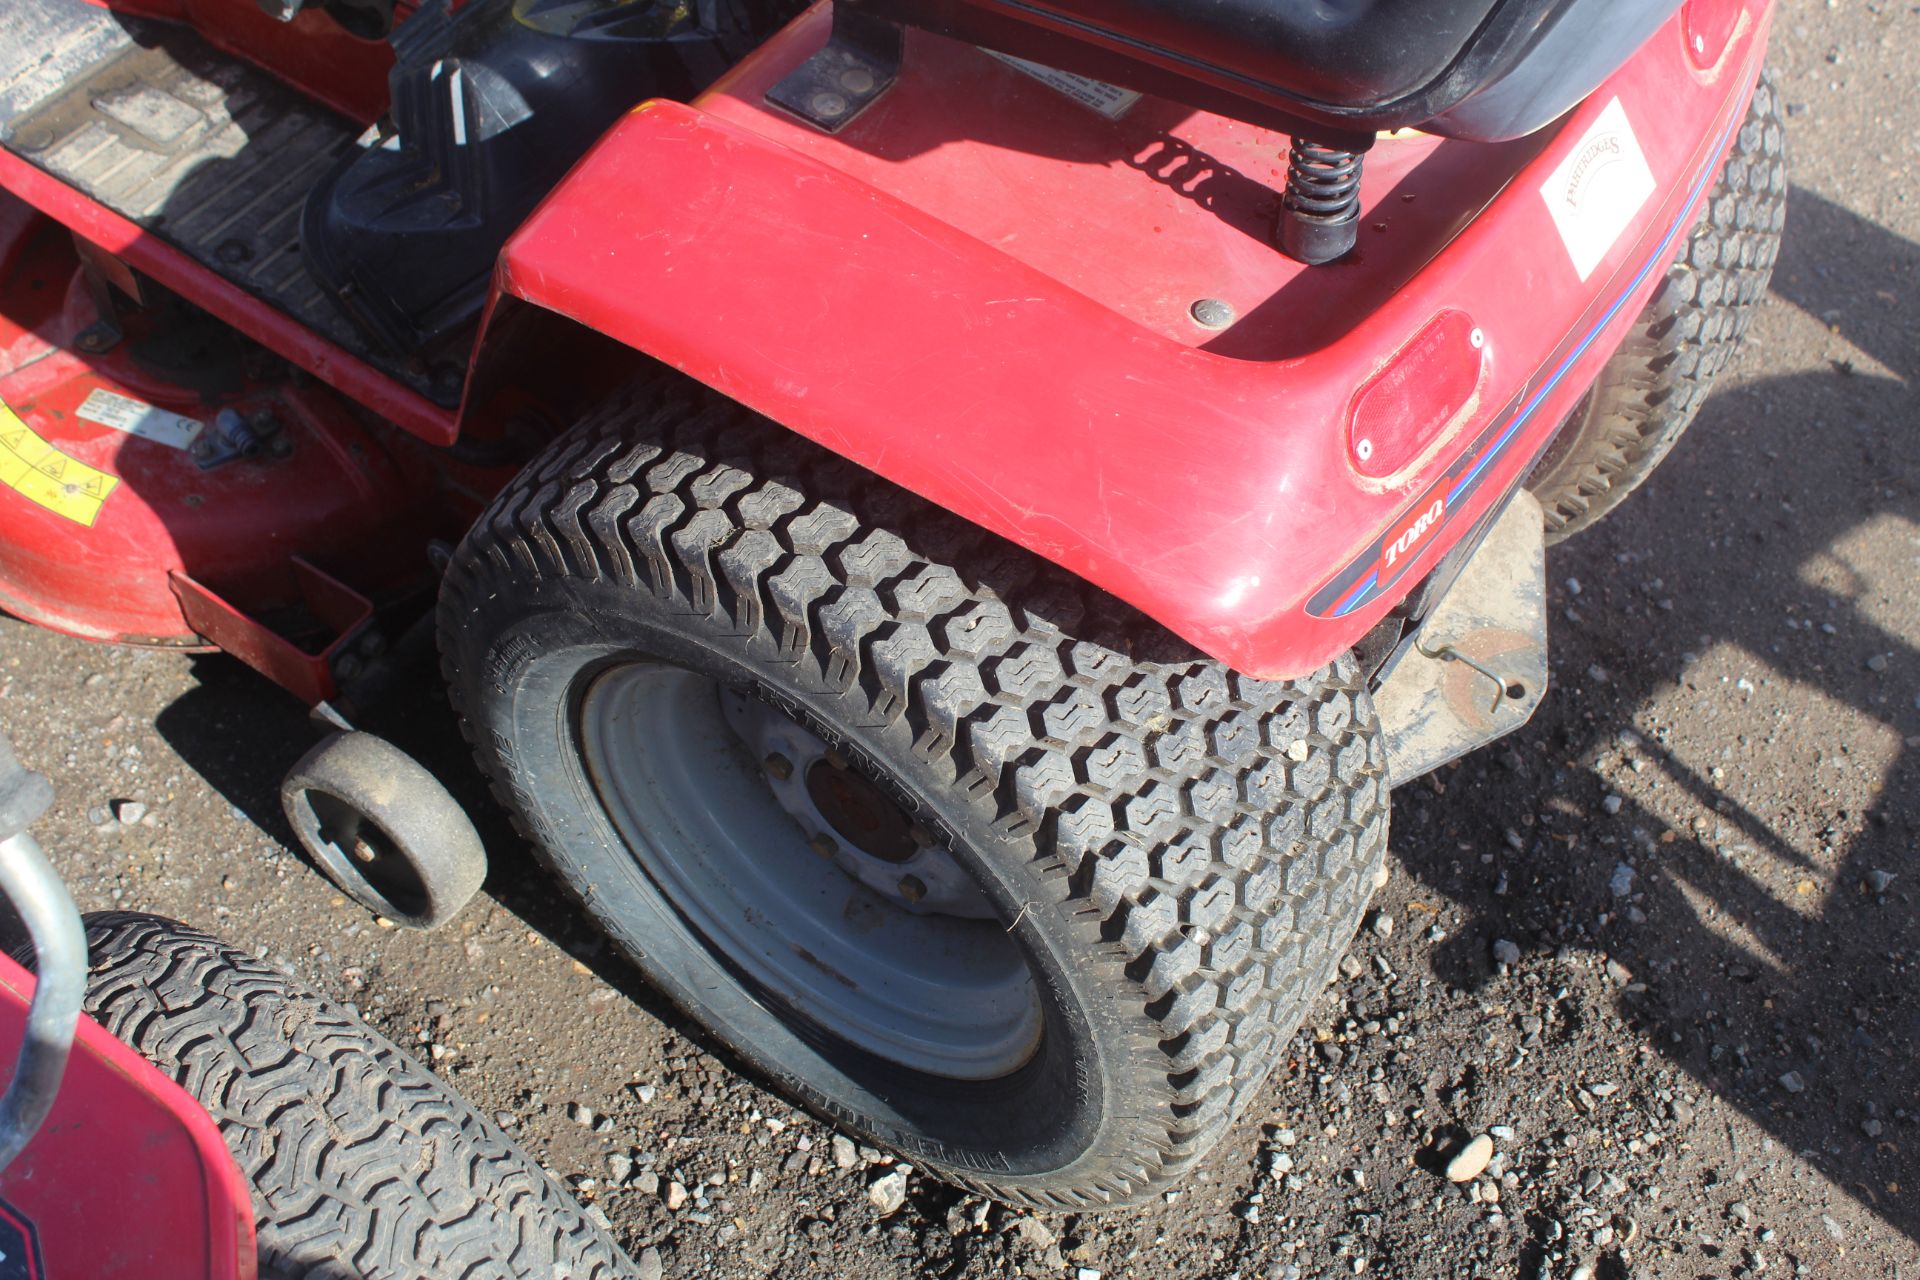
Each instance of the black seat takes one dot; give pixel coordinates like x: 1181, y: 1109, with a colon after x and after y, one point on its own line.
x: 1475, y: 68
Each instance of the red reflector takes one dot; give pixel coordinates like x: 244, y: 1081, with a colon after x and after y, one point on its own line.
x: 1708, y: 26
x: 1423, y: 387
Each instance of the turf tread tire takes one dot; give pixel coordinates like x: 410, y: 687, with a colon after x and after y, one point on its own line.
x: 1649, y: 391
x: 1211, y: 839
x: 361, y: 1161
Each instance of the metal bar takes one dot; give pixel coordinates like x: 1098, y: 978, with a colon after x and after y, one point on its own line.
x: 60, y: 950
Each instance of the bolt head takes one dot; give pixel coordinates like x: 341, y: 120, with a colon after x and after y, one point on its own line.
x: 824, y: 845
x: 912, y: 888
x: 778, y: 767
x: 828, y: 104
x: 1211, y: 313
x: 1363, y: 449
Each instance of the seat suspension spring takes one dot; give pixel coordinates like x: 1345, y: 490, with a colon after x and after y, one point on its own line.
x: 1320, y: 214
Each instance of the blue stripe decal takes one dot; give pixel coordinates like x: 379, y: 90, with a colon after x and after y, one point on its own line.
x: 1359, y: 593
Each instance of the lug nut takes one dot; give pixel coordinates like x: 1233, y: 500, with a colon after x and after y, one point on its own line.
x: 920, y: 835
x: 911, y: 889
x: 824, y: 846
x: 363, y: 851
x: 779, y: 767
x: 837, y: 760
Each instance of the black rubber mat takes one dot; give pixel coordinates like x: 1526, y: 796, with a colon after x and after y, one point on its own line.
x: 207, y: 152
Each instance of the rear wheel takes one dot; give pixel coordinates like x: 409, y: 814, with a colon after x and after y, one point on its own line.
x: 1648, y: 393
x: 968, y: 856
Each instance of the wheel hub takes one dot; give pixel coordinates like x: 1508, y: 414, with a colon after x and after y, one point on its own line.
x: 850, y: 820
x: 854, y: 807
x: 807, y: 874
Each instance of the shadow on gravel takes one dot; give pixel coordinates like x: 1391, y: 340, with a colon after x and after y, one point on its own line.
x: 1782, y: 982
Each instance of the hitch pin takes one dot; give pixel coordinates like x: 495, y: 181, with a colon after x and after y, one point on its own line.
x: 1448, y: 652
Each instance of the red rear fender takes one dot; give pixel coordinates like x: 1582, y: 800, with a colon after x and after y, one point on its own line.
x: 984, y: 291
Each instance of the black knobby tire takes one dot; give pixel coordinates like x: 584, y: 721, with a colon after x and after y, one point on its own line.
x: 1650, y: 389
x: 1180, y: 852
x: 362, y: 1162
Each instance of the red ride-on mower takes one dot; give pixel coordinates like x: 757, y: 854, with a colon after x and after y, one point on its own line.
x: 946, y: 516
x: 328, y: 1151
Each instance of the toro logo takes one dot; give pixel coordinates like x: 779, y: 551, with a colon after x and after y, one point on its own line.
x: 1396, y: 546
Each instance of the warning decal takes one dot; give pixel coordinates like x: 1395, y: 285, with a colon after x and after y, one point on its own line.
x: 1109, y: 100
x: 41, y: 473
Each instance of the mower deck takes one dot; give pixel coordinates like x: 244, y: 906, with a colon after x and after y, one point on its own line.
x: 198, y: 148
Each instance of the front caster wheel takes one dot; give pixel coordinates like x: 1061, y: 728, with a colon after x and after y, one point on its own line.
x: 966, y: 855
x: 384, y: 830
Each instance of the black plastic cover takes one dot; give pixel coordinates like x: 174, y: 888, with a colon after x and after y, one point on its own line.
x: 491, y: 107
x: 1351, y: 67
x: 1350, y: 53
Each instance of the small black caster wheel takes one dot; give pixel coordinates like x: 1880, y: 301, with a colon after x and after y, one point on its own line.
x: 384, y: 830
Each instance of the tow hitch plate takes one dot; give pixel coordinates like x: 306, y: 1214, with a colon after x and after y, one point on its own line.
x: 1477, y: 667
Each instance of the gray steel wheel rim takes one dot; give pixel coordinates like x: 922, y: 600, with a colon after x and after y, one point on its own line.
x: 946, y: 994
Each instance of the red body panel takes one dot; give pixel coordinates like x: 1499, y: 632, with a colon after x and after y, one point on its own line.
x: 980, y: 290
x: 128, y: 1179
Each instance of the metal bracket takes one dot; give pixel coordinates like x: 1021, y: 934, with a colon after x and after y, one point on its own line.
x: 859, y: 62
x: 1447, y: 652
x: 1489, y: 627
x: 310, y: 673
x: 106, y: 275
x: 233, y: 435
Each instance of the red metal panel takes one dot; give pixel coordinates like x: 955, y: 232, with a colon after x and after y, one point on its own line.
x: 129, y: 1178
x: 980, y: 291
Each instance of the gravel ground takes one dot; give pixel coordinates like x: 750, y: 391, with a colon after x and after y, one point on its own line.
x: 1659, y: 947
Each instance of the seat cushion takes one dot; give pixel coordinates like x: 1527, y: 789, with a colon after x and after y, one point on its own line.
x: 1346, y: 53
x: 1349, y: 67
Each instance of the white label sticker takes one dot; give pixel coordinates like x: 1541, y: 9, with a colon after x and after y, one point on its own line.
x: 1109, y: 100
x: 1598, y: 188
x: 139, y: 419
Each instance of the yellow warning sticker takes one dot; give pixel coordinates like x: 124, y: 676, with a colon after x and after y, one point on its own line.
x: 40, y: 473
